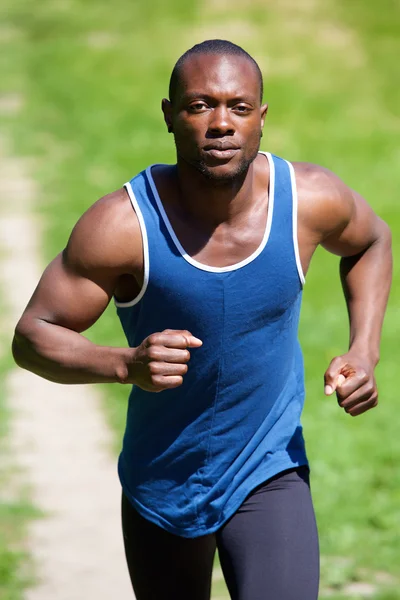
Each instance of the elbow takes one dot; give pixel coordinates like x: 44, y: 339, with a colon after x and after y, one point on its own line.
x: 21, y: 346
x: 385, y: 234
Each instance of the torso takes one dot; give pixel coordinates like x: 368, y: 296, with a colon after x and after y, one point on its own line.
x: 225, y: 245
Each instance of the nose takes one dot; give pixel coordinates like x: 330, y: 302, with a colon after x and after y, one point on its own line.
x: 220, y: 122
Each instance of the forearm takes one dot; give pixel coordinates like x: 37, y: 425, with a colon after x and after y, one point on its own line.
x: 366, y: 280
x: 65, y: 356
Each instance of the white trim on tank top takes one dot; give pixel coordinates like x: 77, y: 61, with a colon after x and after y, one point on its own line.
x: 145, y: 243
x: 294, y: 214
x: 191, y: 260
x: 235, y: 266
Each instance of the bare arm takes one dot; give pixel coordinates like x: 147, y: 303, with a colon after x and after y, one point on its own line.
x: 73, y: 293
x: 48, y: 338
x: 344, y: 224
x: 366, y: 274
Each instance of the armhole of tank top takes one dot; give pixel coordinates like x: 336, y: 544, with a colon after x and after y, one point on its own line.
x: 294, y: 224
x: 145, y: 243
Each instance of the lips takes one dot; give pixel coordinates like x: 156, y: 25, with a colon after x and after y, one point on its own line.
x: 221, y: 146
x: 221, y: 150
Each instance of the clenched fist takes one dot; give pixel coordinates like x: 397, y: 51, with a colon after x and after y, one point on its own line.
x: 160, y: 362
x: 351, y: 376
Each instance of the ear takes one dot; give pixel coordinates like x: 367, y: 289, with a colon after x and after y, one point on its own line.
x: 167, y: 110
x: 263, y: 113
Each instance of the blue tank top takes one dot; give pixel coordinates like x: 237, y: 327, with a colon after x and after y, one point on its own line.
x: 192, y: 454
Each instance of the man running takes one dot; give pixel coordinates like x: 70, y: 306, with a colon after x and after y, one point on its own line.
x: 206, y: 261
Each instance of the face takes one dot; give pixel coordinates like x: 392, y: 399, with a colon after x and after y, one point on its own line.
x: 216, y: 116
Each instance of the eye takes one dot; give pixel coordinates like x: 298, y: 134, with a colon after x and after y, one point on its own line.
x: 242, y: 108
x: 197, y: 107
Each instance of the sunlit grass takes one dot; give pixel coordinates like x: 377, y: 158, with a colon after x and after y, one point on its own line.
x: 92, y: 79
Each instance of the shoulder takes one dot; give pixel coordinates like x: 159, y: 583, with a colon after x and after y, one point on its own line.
x: 107, y: 235
x: 325, y: 203
x: 332, y: 214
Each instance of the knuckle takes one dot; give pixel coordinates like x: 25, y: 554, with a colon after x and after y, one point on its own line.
x: 184, y: 340
x: 181, y: 331
x: 335, y: 363
x: 153, y: 352
x: 330, y: 375
x: 370, y: 389
x: 154, y: 368
x: 362, y: 375
x: 153, y: 339
x: 156, y: 381
x: 374, y: 400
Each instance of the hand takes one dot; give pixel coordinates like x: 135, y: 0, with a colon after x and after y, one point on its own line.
x: 160, y: 361
x: 352, y: 378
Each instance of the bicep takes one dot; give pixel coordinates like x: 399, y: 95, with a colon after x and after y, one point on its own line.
x: 357, y: 231
x: 68, y: 297
x: 79, y: 283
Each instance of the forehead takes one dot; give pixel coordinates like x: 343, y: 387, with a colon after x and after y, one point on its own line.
x: 213, y: 74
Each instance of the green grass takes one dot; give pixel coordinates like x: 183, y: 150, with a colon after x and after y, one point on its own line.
x: 15, y: 511
x: 91, y: 78
x: 15, y: 563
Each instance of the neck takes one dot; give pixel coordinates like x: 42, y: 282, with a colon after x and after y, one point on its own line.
x: 214, y: 202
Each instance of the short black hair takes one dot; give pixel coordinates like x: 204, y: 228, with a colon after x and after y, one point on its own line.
x: 222, y: 47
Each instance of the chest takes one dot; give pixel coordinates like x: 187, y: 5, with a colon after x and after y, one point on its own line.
x: 222, y: 246
x: 253, y: 293
x: 214, y: 229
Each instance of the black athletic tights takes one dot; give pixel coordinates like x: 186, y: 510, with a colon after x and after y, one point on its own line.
x: 268, y: 550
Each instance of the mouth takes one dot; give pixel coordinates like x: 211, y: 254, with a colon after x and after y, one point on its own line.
x: 223, y: 151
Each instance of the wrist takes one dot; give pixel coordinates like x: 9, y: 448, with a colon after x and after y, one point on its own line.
x: 364, y: 349
x: 124, y: 365
x: 120, y: 359
x: 110, y: 364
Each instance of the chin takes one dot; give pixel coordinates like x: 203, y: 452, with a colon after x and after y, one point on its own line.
x: 224, y: 173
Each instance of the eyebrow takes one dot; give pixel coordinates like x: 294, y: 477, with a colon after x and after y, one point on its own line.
x: 193, y: 95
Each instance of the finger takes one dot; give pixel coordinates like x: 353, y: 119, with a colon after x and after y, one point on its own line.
x: 184, y: 332
x: 354, y: 382
x: 361, y: 394
x: 167, y: 382
x: 333, y: 376
x: 164, y: 368
x: 363, y: 407
x: 173, y: 340
x: 187, y: 334
x: 168, y: 355
x: 338, y: 381
x: 193, y: 341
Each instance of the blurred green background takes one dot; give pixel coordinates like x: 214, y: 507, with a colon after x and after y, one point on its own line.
x: 88, y: 77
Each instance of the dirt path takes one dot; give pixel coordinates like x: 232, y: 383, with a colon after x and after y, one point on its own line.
x: 59, y: 435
